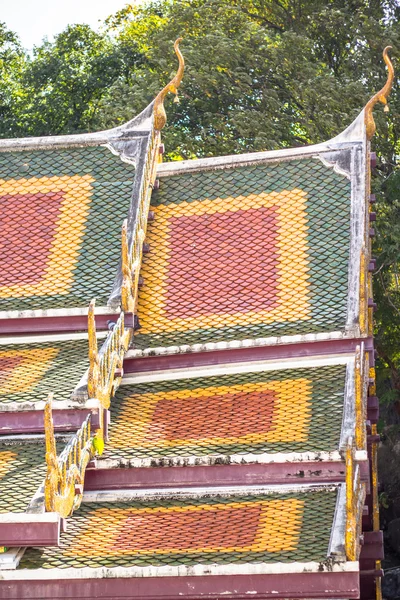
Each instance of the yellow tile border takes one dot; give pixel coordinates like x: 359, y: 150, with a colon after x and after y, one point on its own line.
x: 69, y: 230
x: 35, y: 362
x: 293, y: 394
x: 6, y: 461
x: 278, y: 529
x: 292, y: 269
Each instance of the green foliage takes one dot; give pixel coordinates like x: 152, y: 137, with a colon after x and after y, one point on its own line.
x: 12, y: 63
x: 62, y: 84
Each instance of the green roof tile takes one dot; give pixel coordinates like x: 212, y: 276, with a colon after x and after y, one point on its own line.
x: 217, y: 268
x: 291, y: 410
x: 223, y: 529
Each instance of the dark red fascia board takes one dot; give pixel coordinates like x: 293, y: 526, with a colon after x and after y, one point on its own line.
x: 63, y: 324
x: 368, y: 584
x: 215, y: 357
x: 31, y: 421
x: 214, y: 475
x: 14, y: 535
x: 372, y: 547
x: 236, y: 587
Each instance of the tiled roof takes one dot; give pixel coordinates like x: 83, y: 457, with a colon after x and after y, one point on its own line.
x: 60, y: 230
x: 22, y: 470
x: 246, y: 252
x: 286, y: 527
x: 292, y: 410
x: 29, y: 372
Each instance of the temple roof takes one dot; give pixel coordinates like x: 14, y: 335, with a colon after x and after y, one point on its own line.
x: 61, y: 230
x: 234, y: 298
x: 272, y: 235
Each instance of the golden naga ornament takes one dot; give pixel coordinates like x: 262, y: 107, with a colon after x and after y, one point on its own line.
x: 128, y: 296
x: 94, y: 363
x: 160, y: 117
x: 105, y: 367
x: 380, y: 96
x: 63, y: 487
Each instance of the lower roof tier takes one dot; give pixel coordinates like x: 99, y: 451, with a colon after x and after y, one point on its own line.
x: 22, y: 471
x: 269, y: 408
x: 276, y: 542
x: 218, y: 528
x: 30, y: 371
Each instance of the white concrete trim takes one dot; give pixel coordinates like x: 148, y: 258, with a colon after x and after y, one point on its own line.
x: 10, y: 560
x: 250, y: 158
x: 336, y: 544
x: 241, y: 160
x: 48, y: 337
x: 180, y: 571
x: 358, y: 231
x: 55, y: 312
x: 48, y: 517
x: 247, y: 343
x: 233, y: 459
x: 196, y: 492
x: 236, y: 368
x: 91, y: 404
x: 353, y: 134
x: 348, y: 416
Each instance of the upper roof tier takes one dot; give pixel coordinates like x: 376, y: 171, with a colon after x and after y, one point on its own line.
x: 62, y: 201
x: 248, y: 247
x: 254, y: 250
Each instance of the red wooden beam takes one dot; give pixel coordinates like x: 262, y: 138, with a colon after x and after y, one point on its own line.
x: 61, y: 324
x: 236, y: 587
x: 29, y: 530
x: 214, y: 475
x: 31, y: 421
x: 216, y: 357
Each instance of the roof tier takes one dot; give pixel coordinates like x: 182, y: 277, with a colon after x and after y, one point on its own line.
x: 247, y: 252
x: 251, y: 412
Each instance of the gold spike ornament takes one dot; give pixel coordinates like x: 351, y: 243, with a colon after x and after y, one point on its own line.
x: 380, y: 96
x: 160, y: 117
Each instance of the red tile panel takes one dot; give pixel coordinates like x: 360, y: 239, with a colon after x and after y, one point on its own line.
x: 230, y: 415
x: 26, y: 234
x: 235, y: 262
x: 185, y: 530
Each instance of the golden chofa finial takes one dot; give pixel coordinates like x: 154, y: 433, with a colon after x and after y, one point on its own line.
x: 380, y: 96
x: 160, y: 117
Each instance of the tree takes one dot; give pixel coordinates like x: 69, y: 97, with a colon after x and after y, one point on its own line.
x: 260, y: 74
x: 12, y: 64
x: 65, y: 80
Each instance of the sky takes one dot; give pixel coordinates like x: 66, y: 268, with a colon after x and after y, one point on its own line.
x: 32, y: 20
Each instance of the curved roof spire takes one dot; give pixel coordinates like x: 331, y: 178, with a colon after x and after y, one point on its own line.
x: 380, y: 96
x: 160, y: 117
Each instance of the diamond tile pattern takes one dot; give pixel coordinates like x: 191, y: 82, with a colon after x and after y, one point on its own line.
x: 292, y: 410
x: 28, y: 372
x: 246, y: 252
x: 219, y: 529
x: 22, y: 470
x: 61, y: 221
